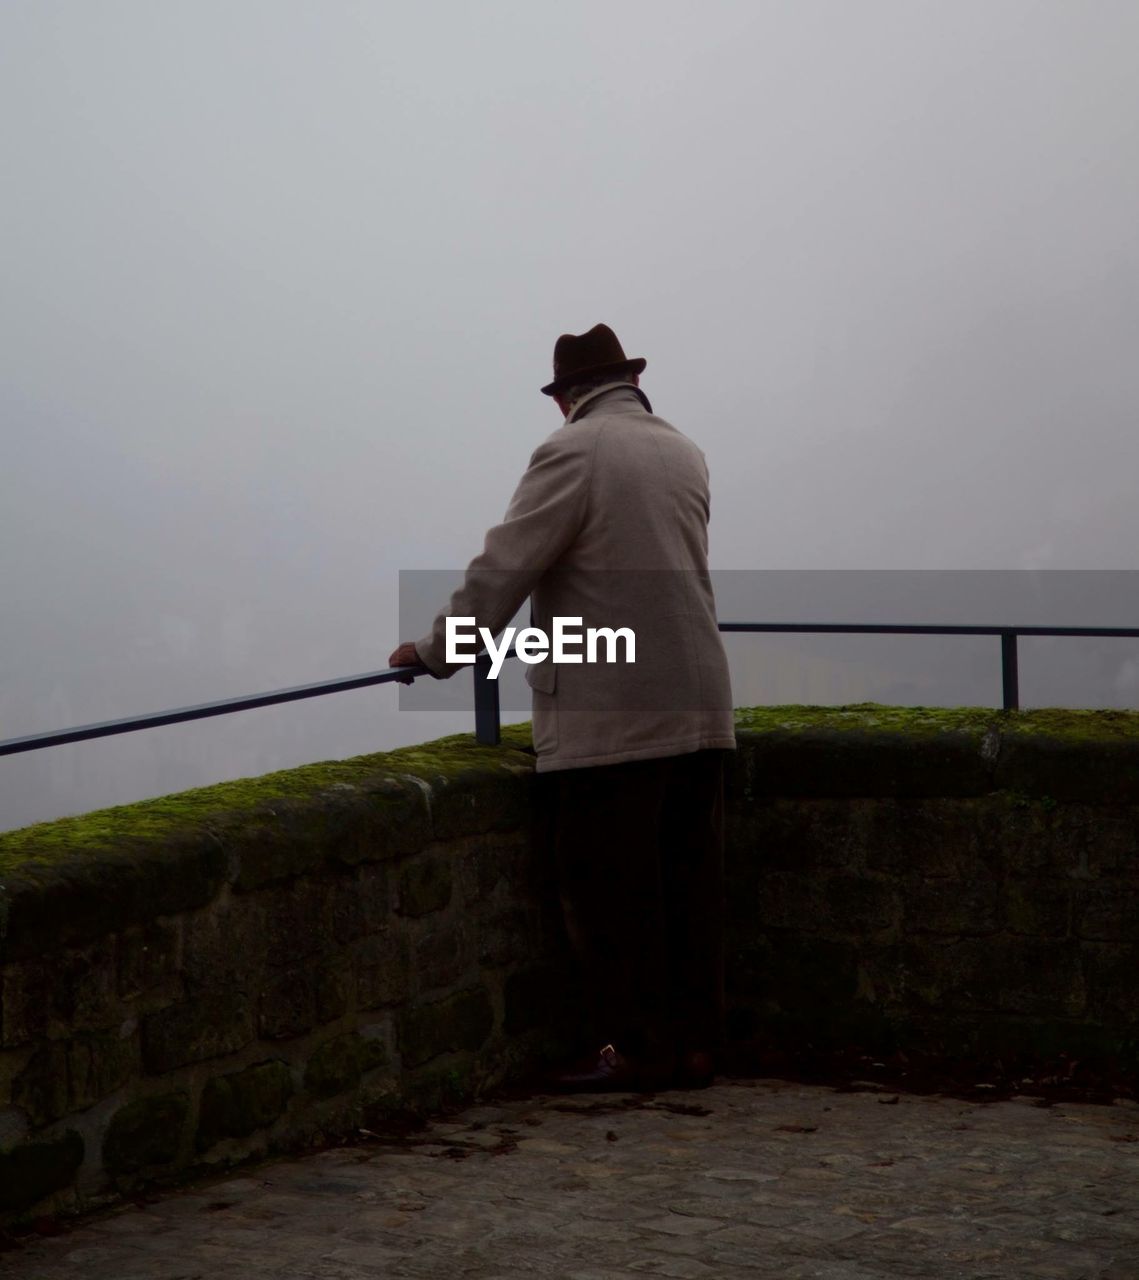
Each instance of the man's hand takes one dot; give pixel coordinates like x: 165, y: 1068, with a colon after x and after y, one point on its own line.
x: 405, y: 656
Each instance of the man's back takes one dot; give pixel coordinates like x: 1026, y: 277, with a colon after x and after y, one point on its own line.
x: 637, y: 559
x: 648, y: 489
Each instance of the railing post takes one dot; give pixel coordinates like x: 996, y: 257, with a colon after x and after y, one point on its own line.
x: 1010, y: 679
x: 487, y: 721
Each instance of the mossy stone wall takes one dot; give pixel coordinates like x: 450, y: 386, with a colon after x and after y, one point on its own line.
x: 962, y: 882
x: 267, y: 964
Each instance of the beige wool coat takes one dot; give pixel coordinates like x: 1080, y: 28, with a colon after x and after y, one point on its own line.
x: 609, y: 524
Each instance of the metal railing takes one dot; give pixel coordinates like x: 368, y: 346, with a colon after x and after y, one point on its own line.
x: 487, y: 716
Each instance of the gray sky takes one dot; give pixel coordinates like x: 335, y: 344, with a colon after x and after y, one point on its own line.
x: 279, y: 282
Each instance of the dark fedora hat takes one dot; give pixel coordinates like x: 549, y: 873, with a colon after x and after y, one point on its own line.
x: 579, y: 357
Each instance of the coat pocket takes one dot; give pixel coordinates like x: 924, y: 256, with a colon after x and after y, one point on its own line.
x: 542, y: 676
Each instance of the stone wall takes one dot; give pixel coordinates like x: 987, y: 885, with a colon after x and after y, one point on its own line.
x: 269, y: 964
x: 266, y: 965
x: 962, y: 882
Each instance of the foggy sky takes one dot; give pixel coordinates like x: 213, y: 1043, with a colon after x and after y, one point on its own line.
x: 279, y: 283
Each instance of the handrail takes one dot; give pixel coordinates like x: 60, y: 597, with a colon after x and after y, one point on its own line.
x: 487, y: 722
x: 105, y: 728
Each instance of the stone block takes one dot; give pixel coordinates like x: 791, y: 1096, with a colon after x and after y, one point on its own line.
x: 333, y: 1069
x: 85, y: 987
x: 500, y: 860
x: 860, y: 904
x: 383, y: 969
x: 146, y: 1133
x: 1106, y: 911
x: 60, y: 994
x: 344, y: 823
x: 63, y: 1077
x: 375, y: 894
x: 297, y: 920
x: 1113, y: 994
x: 286, y: 1004
x: 361, y: 902
x: 1039, y: 908
x: 805, y: 835
x: 41, y: 1088
x: 837, y: 903
x: 332, y: 986
x: 25, y: 1002
x: 12, y: 1063
x: 930, y: 838
x: 294, y: 1000
x: 1112, y: 843
x: 1038, y: 841
x: 33, y: 1170
x: 336, y: 1066
x: 238, y: 1104
x: 148, y: 957
x: 786, y: 901
x: 224, y: 945
x: 1003, y: 974
x: 469, y: 802
x: 391, y: 820
x: 72, y: 899
x: 440, y: 1086
x: 462, y: 1021
x: 14, y: 1125
x: 375, y: 1052
x: 863, y: 761
x: 98, y: 1065
x: 507, y: 935
x: 442, y: 955
x: 786, y: 970
x: 1046, y: 1039
x: 195, y: 1031
x: 1091, y: 767
x: 425, y: 885
x: 952, y: 907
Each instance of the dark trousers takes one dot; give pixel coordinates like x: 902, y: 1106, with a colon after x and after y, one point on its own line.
x: 639, y: 856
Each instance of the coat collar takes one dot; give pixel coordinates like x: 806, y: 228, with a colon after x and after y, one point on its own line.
x: 618, y: 397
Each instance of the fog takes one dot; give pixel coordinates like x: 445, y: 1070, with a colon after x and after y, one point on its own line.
x: 279, y: 282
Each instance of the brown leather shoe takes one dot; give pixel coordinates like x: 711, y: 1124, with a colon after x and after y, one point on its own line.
x: 606, y: 1071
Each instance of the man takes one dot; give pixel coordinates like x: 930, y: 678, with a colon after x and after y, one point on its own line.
x: 609, y: 525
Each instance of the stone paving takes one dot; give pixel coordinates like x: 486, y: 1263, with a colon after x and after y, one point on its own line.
x: 758, y: 1178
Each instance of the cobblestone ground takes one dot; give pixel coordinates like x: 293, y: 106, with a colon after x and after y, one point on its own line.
x: 749, y: 1178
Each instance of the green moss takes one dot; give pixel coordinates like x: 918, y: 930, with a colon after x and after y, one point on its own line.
x: 335, y: 1066
x: 238, y: 1104
x: 460, y: 1022
x: 518, y: 736
x: 146, y: 1132
x: 229, y: 808
x: 863, y: 716
x: 1058, y: 722
x: 227, y: 805
x: 1072, y: 725
x: 442, y: 1086
x: 338, y: 1064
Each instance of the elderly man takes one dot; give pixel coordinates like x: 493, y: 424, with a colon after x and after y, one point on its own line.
x: 609, y: 525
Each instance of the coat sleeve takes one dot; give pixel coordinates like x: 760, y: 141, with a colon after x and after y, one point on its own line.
x: 543, y: 518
